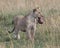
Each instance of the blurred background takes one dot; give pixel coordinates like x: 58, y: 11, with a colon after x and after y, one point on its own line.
x: 47, y: 34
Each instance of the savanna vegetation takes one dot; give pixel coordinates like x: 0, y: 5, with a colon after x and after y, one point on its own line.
x: 47, y: 34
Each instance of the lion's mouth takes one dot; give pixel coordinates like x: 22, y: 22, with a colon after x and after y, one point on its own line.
x: 40, y: 21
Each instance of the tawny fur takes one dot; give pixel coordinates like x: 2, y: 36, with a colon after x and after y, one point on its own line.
x: 27, y: 23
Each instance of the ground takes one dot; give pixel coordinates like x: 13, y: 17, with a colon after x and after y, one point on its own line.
x: 47, y: 34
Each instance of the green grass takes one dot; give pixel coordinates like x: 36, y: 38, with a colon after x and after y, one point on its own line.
x: 47, y: 34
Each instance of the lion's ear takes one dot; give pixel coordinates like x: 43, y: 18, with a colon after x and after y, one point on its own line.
x: 37, y: 8
x: 34, y: 10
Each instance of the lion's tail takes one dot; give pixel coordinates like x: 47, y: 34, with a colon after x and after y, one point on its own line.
x: 12, y: 30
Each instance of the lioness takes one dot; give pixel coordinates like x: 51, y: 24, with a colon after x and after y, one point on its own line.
x: 27, y: 23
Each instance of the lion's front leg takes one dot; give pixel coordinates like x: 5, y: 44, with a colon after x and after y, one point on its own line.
x: 28, y: 34
x: 33, y: 30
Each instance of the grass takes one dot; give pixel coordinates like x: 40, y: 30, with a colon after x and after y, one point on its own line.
x: 47, y: 34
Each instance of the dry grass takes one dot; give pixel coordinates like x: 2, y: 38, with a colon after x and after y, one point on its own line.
x: 47, y: 35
